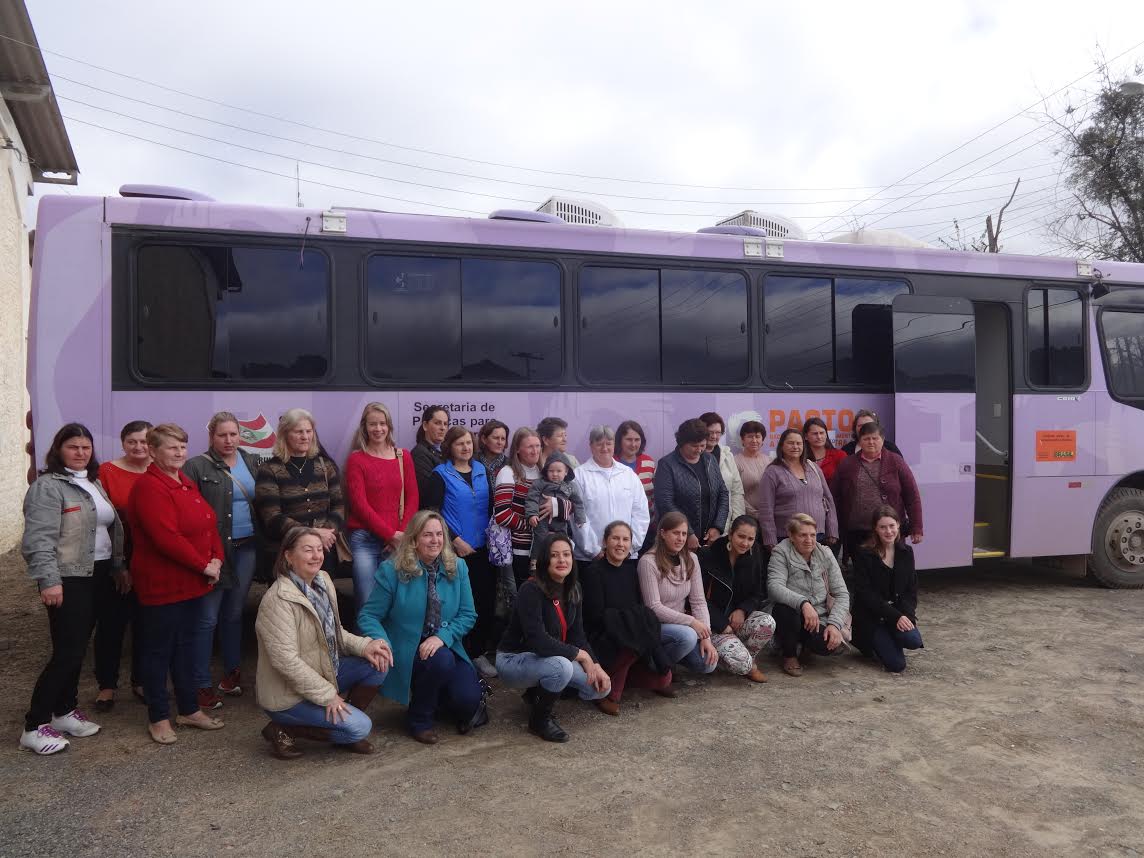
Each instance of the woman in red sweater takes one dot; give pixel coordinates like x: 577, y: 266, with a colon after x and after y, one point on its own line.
x: 382, y: 487
x: 176, y: 559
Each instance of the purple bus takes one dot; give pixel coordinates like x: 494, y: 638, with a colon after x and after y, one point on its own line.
x: 1013, y: 385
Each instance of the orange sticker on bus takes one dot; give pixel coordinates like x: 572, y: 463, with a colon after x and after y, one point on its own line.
x: 1056, y: 445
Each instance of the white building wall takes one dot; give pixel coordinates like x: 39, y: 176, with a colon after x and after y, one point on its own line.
x: 15, y: 295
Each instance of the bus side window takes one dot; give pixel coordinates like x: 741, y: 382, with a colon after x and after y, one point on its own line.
x: 1122, y: 333
x: 1055, y: 338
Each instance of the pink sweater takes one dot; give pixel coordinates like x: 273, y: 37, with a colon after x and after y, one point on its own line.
x: 669, y: 596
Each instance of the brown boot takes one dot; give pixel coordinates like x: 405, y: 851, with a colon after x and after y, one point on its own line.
x: 281, y: 743
x: 756, y: 675
x: 361, y: 746
x: 314, y: 734
x: 361, y: 696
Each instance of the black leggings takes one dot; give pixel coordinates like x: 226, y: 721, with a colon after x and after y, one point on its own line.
x: 483, y: 581
x: 789, y: 632
x: 70, y: 624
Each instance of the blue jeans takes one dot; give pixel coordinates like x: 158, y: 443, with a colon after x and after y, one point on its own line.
x: 169, y: 638
x: 356, y: 725
x: 223, y: 609
x: 552, y: 673
x: 368, y: 551
x: 443, y: 681
x: 888, y: 644
x: 678, y: 641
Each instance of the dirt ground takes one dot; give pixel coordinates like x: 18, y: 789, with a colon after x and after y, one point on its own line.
x: 1019, y: 730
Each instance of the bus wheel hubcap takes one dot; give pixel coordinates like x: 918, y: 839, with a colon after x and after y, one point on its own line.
x: 1126, y: 541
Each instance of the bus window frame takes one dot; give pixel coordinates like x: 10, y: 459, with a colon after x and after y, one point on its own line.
x: 1086, y: 361
x: 459, y: 255
x: 833, y: 274
x: 660, y: 264
x: 1131, y: 401
x: 139, y: 242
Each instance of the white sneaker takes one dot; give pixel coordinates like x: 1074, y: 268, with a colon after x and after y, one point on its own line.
x: 484, y: 667
x: 76, y: 724
x: 43, y: 740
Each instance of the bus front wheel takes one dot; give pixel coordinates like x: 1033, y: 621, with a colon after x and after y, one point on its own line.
x: 1117, y: 558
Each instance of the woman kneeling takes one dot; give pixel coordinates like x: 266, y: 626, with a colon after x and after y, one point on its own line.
x: 886, y: 594
x: 421, y: 603
x: 314, y: 678
x: 811, y: 601
x: 544, y: 648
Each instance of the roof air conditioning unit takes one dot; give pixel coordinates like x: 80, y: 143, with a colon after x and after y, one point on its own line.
x: 582, y: 212
x: 776, y: 226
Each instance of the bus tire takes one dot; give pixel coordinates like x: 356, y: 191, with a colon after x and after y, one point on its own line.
x: 1117, y: 558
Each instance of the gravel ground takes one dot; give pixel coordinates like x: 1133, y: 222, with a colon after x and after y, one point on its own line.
x: 1017, y: 731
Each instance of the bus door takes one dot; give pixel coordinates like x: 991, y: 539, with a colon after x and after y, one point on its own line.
x: 935, y: 419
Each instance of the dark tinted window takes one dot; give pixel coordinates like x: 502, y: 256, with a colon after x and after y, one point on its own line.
x: 462, y: 320
x: 510, y: 319
x: 413, y: 318
x: 863, y: 330
x: 933, y: 352
x: 1056, y: 338
x: 704, y: 324
x: 799, y: 333
x: 1123, y: 335
x: 619, y: 325
x: 243, y: 313
x: 823, y: 331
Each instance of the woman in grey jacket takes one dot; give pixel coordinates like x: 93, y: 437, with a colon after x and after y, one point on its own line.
x: 225, y: 476
x: 688, y: 480
x: 70, y: 531
x: 812, y: 605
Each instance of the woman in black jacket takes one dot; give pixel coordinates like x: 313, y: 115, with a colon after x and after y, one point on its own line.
x: 885, y: 594
x: 624, y: 633
x: 544, y: 648
x: 733, y: 570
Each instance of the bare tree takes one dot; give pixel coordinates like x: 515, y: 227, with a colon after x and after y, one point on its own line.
x: 990, y: 239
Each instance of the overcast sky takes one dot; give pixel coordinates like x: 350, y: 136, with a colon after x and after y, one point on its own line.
x: 674, y: 115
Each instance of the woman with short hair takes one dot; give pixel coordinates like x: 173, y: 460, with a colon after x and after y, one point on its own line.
x: 752, y: 461
x: 422, y: 606
x: 177, y: 559
x: 871, y: 477
x: 300, y: 486
x: 315, y: 679
x: 459, y: 490
x: 381, y: 483
x: 861, y: 418
x: 885, y: 587
x: 733, y: 585
x: 71, y: 535
x: 688, y: 480
x: 793, y: 484
x: 426, y: 452
x: 511, y: 494
x: 492, y: 444
x: 544, y: 649
x: 811, y: 602
x: 609, y: 492
x: 672, y: 586
x: 224, y: 474
x: 716, y: 428
x: 553, y: 433
x: 115, y: 602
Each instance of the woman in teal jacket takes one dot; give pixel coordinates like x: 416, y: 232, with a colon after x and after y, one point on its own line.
x: 422, y: 605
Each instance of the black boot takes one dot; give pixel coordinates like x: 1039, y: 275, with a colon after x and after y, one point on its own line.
x: 540, y: 723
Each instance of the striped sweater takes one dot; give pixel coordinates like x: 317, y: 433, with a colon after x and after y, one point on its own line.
x: 285, y: 499
x: 508, y: 506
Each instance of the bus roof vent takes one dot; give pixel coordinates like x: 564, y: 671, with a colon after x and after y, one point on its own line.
x: 164, y: 192
x: 776, y: 226
x: 525, y: 215
x: 582, y: 212
x: 734, y: 230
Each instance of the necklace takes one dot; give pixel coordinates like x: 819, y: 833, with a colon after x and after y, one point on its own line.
x: 298, y: 468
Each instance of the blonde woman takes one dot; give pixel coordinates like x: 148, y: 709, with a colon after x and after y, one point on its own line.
x: 422, y: 605
x: 299, y: 486
x: 381, y: 484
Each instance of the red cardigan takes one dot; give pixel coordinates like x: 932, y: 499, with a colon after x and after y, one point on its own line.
x: 374, y: 488
x: 897, y: 482
x: 829, y: 462
x: 175, y: 537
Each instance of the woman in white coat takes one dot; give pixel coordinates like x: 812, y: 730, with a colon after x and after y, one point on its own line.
x: 610, y: 491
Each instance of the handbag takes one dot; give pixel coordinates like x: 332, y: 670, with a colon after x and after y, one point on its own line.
x: 499, y: 543
x: 401, y: 497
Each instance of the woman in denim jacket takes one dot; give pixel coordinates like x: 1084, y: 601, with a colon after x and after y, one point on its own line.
x: 70, y: 531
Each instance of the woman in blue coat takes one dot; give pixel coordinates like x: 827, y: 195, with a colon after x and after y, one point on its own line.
x: 422, y: 605
x: 459, y: 490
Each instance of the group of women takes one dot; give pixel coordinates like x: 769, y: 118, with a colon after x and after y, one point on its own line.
x: 449, y: 589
